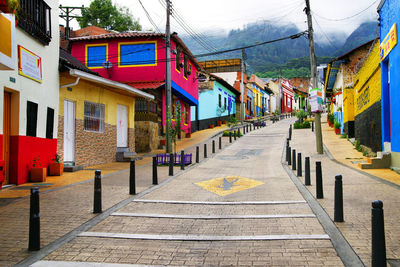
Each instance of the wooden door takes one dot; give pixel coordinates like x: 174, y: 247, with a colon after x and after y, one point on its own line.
x: 6, y: 134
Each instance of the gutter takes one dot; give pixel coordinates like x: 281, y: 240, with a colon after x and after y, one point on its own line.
x: 71, y: 84
x: 97, y: 79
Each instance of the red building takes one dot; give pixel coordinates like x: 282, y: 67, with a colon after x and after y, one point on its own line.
x: 287, y: 96
x: 138, y: 59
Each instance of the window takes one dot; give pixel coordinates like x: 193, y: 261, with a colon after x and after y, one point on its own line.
x: 34, y: 17
x: 219, y: 100
x: 187, y: 115
x: 178, y: 59
x: 94, y: 117
x: 96, y: 55
x: 31, y: 118
x: 225, y: 103
x: 50, y: 123
x: 140, y: 105
x: 137, y: 54
x: 186, y: 66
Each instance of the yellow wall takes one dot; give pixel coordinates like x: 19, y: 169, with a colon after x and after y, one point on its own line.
x: 348, y: 104
x: 367, y: 89
x: 93, y: 92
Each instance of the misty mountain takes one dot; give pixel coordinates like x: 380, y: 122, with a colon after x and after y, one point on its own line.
x: 274, y: 56
x: 364, y: 33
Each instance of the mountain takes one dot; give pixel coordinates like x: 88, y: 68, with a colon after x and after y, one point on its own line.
x: 275, y: 56
x: 364, y: 33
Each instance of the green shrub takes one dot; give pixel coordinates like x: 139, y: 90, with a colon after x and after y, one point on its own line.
x: 337, y: 125
x: 331, y: 118
x: 298, y: 125
x: 301, y: 115
x: 344, y: 136
x: 226, y: 133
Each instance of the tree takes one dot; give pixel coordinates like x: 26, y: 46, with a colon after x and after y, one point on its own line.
x: 104, y: 14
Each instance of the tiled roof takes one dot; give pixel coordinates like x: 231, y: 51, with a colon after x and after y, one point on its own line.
x: 117, y: 35
x: 70, y: 61
x: 145, y: 84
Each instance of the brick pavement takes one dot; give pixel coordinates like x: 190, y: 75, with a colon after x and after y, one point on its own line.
x: 255, y: 156
x: 359, y: 190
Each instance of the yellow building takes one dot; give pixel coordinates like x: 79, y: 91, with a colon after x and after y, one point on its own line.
x: 96, y: 116
x: 367, y: 104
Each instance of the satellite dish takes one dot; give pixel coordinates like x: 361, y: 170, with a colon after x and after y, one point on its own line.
x: 106, y: 64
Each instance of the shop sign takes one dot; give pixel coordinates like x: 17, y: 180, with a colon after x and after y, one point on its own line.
x: 29, y: 64
x: 389, y: 42
x: 316, y: 100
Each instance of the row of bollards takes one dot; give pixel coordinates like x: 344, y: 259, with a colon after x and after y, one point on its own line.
x: 378, y: 248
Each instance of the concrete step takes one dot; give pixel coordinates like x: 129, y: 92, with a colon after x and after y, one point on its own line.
x: 382, y: 161
x: 125, y: 156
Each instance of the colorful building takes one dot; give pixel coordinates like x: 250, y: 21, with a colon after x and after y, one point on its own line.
x: 138, y: 60
x: 96, y: 116
x: 367, y: 101
x: 257, y: 85
x: 389, y: 18
x: 217, y: 102
x: 29, y: 89
x: 339, y: 85
x: 287, y: 96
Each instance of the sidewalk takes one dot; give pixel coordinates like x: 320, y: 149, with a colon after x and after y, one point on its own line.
x: 70, y: 178
x: 360, y: 188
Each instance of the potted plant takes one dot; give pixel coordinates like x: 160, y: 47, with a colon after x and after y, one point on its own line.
x: 331, y: 119
x: 9, y: 6
x: 211, y: 126
x: 219, y: 123
x: 56, y: 168
x: 38, y: 173
x: 337, y: 126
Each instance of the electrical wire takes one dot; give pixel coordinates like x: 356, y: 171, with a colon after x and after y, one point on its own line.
x: 149, y: 17
x: 346, y: 18
x: 326, y: 36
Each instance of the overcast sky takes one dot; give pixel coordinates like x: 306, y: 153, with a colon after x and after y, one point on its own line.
x: 206, y: 15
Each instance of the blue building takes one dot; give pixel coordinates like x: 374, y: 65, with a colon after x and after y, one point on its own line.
x: 217, y: 102
x: 389, y: 17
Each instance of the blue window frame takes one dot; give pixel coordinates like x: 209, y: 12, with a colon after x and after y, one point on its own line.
x: 137, y: 54
x: 96, y: 55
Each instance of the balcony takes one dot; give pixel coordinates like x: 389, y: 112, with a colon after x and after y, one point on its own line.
x: 34, y: 17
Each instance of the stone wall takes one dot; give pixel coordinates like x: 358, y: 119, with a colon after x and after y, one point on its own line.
x: 93, y: 148
x: 368, y: 127
x: 146, y: 136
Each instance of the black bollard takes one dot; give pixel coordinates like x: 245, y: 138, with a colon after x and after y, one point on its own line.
x: 171, y: 164
x: 287, y: 153
x: 318, y: 173
x: 247, y: 128
x: 97, y: 192
x: 34, y: 221
x: 294, y: 159
x: 197, y: 154
x: 299, y: 165
x: 378, y: 235
x: 213, y: 146
x: 338, y: 216
x: 230, y: 137
x: 312, y: 126
x: 307, y: 180
x: 290, y: 157
x: 234, y: 135
x: 155, y: 175
x: 238, y: 133
x: 182, y: 160
x: 132, y: 179
x: 244, y: 130
x: 220, y: 142
x: 205, y: 151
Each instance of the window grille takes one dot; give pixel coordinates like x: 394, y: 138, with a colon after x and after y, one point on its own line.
x: 94, y: 117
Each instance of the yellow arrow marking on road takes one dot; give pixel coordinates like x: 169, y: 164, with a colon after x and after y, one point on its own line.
x: 227, y: 185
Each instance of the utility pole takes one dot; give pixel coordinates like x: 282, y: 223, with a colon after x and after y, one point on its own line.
x: 242, y: 110
x: 168, y: 148
x: 67, y: 17
x: 318, y: 131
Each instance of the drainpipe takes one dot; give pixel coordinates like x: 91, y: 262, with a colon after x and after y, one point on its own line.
x: 71, y: 84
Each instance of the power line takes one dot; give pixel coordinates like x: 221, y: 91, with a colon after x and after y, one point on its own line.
x: 355, y: 15
x: 149, y: 17
x: 326, y: 36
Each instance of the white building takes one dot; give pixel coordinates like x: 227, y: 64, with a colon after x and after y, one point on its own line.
x: 29, y: 88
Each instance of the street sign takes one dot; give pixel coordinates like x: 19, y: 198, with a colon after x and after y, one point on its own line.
x: 316, y: 100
